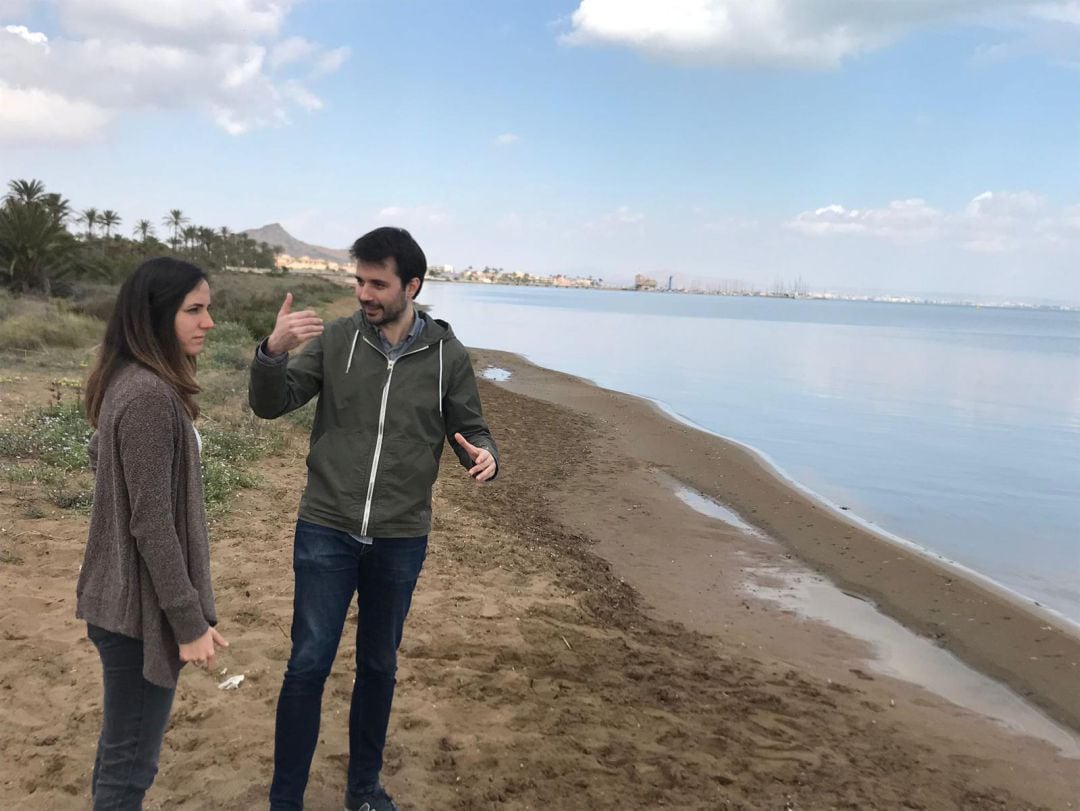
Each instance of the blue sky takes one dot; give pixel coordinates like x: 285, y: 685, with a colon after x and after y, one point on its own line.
x: 887, y: 145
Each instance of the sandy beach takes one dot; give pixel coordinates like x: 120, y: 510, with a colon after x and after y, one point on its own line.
x: 581, y: 638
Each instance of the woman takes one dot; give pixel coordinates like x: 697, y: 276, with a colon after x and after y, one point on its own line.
x: 144, y: 589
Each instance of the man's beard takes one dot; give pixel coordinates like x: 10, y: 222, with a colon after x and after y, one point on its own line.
x: 387, y: 313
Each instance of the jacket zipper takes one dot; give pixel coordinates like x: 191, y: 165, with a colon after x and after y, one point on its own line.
x: 382, y: 424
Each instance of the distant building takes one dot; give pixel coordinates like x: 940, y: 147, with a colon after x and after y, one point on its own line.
x: 305, y: 264
x: 642, y: 282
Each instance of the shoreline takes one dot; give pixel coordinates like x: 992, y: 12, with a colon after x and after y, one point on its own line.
x: 1031, y: 649
x: 1023, y: 602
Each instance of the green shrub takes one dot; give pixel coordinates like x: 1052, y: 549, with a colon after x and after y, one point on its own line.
x: 57, y: 436
x: 254, y: 299
x: 229, y: 346
x: 226, y: 452
x: 94, y: 300
x: 304, y: 417
x: 221, y: 480
x: 8, y: 303
x: 34, y: 324
x: 71, y: 498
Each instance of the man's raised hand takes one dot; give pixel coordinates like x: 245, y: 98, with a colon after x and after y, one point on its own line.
x: 484, y: 466
x: 292, y: 329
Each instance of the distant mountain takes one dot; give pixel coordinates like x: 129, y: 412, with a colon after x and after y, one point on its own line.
x: 275, y: 235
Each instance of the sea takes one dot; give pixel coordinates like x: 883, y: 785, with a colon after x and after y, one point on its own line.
x: 953, y: 428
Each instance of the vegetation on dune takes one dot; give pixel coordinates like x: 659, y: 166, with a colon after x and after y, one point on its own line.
x: 45, y: 448
x: 59, y: 274
x: 40, y: 253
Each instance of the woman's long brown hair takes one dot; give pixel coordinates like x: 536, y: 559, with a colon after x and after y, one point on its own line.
x: 142, y: 329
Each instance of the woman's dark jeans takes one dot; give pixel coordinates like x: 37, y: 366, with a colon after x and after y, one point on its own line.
x: 135, y: 715
x: 330, y: 567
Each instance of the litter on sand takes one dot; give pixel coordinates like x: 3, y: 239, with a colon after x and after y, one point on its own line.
x: 232, y: 682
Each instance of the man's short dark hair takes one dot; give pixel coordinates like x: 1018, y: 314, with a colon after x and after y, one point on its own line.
x: 375, y: 247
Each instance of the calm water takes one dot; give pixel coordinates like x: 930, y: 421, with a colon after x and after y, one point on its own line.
x: 953, y: 427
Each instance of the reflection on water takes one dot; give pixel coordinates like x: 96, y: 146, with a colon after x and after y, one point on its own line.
x: 904, y: 655
x: 898, y: 652
x: 958, y: 428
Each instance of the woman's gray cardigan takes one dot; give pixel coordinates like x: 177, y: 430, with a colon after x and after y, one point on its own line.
x: 146, y: 573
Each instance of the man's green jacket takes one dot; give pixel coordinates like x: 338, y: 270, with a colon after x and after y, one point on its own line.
x: 379, y: 423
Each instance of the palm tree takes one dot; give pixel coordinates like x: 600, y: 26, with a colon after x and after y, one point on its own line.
x: 59, y: 206
x: 109, y: 220
x: 90, y: 217
x: 190, y: 235
x: 225, y: 234
x: 34, y: 246
x: 25, y: 191
x: 207, y: 238
x: 145, y: 229
x: 175, y: 220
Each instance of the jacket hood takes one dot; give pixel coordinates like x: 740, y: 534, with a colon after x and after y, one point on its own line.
x: 435, y: 329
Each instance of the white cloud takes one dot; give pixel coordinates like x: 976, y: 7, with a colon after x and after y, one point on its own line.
x: 1067, y: 12
x: 991, y: 222
x: 13, y: 9
x: 290, y: 50
x: 791, y: 33
x: 830, y: 219
x: 222, y: 57
x: 506, y: 139
x: 174, y: 21
x: 410, y: 217
x: 297, y: 50
x: 1070, y: 218
x: 301, y: 95
x: 1005, y: 206
x: 330, y: 61
x: 626, y: 216
x: 33, y: 37
x: 995, y: 222
x: 35, y: 116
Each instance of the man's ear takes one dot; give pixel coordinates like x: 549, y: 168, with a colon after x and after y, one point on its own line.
x: 413, y: 287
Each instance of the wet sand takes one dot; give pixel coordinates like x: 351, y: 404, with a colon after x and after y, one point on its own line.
x: 999, y: 634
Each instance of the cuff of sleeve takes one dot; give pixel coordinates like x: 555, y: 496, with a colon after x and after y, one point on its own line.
x: 187, y: 621
x: 265, y: 357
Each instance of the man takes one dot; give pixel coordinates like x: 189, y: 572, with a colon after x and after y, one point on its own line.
x: 392, y: 383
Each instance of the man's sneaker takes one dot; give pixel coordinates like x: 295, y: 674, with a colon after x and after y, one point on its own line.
x: 372, y: 798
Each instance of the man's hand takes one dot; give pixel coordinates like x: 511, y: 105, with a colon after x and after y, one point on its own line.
x: 292, y: 329
x: 484, y: 466
x: 202, y: 650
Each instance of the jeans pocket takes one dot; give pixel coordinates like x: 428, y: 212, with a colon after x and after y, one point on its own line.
x: 321, y: 548
x: 400, y: 560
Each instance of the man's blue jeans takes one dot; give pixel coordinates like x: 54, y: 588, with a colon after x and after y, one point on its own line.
x: 134, y: 717
x: 330, y: 567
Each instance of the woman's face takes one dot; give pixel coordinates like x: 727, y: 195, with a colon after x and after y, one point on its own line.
x: 193, y: 319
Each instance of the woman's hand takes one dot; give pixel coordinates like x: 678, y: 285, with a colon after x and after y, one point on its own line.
x: 202, y: 651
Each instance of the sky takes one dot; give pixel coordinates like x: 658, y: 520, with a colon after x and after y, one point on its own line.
x: 904, y: 146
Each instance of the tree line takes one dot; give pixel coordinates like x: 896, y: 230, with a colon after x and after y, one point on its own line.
x: 44, y: 242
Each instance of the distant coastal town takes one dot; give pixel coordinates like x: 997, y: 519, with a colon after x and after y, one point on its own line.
x: 673, y: 283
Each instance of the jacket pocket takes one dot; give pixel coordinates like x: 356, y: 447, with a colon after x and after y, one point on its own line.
x: 407, y: 471
x: 338, y: 465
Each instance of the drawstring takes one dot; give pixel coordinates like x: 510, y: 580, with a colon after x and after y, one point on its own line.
x: 440, y: 377
x: 351, y: 351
